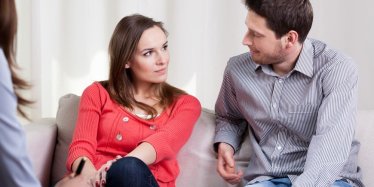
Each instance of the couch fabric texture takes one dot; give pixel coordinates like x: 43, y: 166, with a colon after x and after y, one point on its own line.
x: 48, y: 141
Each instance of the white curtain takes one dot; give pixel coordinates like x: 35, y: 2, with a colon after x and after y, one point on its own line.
x: 62, y: 44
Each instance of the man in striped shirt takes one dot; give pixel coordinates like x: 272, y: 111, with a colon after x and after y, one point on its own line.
x: 295, y: 96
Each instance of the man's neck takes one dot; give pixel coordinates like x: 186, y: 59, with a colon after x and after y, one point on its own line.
x: 289, y: 63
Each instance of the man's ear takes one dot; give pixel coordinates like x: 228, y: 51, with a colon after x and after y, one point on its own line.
x: 291, y: 38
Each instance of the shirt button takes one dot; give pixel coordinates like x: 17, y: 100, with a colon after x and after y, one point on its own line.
x: 119, y: 137
x: 279, y: 147
x: 152, y: 127
x: 274, y: 105
x: 125, y: 119
x: 280, y: 80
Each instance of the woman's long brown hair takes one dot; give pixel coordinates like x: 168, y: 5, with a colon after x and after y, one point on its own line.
x: 122, y: 47
x: 8, y: 31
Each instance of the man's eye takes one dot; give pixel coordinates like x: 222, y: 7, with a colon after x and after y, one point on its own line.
x: 254, y: 34
x: 165, y: 47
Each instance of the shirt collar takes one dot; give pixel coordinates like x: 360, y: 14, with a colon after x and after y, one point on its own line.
x: 257, y: 66
x: 304, y: 63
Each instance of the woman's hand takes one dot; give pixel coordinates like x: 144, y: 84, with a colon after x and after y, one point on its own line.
x: 88, y: 172
x: 100, y: 178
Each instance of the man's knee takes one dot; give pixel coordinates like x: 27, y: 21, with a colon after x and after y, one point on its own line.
x: 341, y: 183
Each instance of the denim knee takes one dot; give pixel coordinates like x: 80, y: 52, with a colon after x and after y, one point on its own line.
x: 127, y: 166
x: 130, y: 171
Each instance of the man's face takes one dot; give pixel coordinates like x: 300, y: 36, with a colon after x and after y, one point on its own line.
x: 264, y: 46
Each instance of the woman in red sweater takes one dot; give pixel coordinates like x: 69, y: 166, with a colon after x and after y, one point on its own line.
x: 131, y: 127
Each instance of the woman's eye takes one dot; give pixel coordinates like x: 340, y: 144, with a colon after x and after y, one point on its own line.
x: 165, y: 47
x: 147, y: 53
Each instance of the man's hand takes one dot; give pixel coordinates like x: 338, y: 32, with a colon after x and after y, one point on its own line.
x: 226, y: 164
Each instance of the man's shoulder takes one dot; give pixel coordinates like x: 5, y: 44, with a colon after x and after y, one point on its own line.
x: 242, y: 58
x: 239, y: 60
x: 327, y: 57
x: 332, y: 65
x: 327, y: 52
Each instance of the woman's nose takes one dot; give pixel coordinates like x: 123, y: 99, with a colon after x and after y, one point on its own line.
x: 163, y: 58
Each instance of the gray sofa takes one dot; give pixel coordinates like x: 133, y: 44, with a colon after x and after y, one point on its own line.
x: 48, y: 141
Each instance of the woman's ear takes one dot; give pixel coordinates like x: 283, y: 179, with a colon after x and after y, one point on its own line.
x: 127, y: 65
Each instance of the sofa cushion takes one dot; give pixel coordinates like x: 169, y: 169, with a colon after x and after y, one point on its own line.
x: 364, y: 133
x: 66, y: 118
x: 40, y: 140
x: 197, y: 159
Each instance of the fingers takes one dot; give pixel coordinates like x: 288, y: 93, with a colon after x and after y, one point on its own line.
x: 229, y: 173
x: 226, y: 165
x: 103, y: 177
x: 100, y: 177
x: 237, y: 179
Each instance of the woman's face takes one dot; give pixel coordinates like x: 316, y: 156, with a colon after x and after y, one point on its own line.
x: 151, y: 58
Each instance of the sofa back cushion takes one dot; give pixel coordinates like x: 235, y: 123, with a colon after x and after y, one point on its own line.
x: 197, y: 159
x: 65, y: 119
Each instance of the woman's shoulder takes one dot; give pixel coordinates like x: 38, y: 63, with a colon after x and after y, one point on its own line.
x: 96, y: 89
x: 187, y: 99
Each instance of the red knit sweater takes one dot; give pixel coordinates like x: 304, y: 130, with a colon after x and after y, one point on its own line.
x: 104, y: 129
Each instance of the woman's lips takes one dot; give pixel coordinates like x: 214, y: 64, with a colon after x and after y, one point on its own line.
x: 161, y: 71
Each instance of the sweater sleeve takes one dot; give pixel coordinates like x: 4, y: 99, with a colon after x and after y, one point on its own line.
x: 84, y: 142
x: 169, y: 139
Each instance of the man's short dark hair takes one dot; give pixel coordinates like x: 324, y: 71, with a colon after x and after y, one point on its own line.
x: 284, y: 15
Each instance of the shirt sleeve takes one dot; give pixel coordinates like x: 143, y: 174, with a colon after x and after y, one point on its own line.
x: 330, y: 147
x: 84, y: 141
x: 16, y: 168
x: 169, y: 139
x: 230, y: 123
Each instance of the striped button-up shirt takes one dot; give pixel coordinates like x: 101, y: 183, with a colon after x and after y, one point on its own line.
x: 300, y: 125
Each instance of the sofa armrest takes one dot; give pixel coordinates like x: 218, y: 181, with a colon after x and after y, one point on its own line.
x: 41, y: 140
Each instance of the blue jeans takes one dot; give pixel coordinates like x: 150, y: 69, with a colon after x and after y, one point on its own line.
x: 130, y: 172
x: 285, y: 182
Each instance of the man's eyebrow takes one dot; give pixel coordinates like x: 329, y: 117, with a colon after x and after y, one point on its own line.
x: 255, y: 31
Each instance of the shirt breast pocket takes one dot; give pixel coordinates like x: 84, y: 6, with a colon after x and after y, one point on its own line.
x: 301, y: 119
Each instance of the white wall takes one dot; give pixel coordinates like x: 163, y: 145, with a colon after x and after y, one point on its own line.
x: 348, y: 26
x: 63, y: 43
